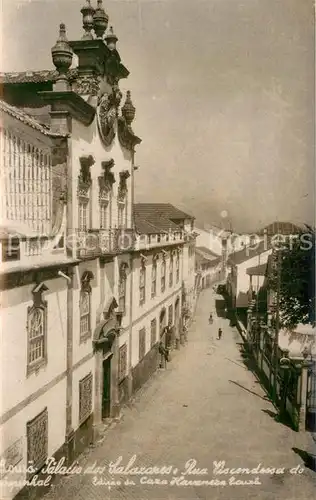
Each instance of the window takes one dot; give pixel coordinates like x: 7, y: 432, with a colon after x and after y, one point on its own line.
x: 36, y: 335
x: 154, y: 278
x: 122, y: 362
x: 104, y: 215
x: 177, y: 268
x: 85, y: 398
x: 10, y: 249
x: 85, y: 306
x: 37, y: 330
x: 153, y: 332
x: 163, y: 275
x: 83, y: 215
x: 142, y: 283
x: 37, y: 440
x: 142, y: 343
x: 121, y: 215
x: 84, y: 314
x: 171, y: 271
x: 122, y: 288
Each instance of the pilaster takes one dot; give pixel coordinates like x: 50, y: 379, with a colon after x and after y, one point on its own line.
x: 69, y: 439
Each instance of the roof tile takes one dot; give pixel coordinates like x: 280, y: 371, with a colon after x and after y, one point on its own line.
x: 27, y: 119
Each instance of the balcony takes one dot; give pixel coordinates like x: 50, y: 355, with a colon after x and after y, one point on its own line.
x: 98, y: 242
x: 147, y: 241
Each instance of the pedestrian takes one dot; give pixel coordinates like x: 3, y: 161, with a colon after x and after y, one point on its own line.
x: 210, y: 320
x: 220, y: 333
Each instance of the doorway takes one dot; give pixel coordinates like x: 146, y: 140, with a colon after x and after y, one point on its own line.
x: 106, y: 394
x: 177, y: 317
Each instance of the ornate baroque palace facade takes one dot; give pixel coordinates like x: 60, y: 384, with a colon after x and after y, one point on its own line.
x: 89, y: 280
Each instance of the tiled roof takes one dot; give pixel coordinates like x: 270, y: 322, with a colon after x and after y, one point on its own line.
x: 26, y: 119
x: 248, y: 252
x: 145, y: 227
x: 33, y: 76
x: 165, y: 210
x: 257, y: 270
x: 207, y: 252
x: 284, y: 228
x: 201, y: 259
x: 156, y: 217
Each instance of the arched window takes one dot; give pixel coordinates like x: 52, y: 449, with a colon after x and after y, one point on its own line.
x: 85, y: 306
x: 37, y: 330
x: 122, y: 288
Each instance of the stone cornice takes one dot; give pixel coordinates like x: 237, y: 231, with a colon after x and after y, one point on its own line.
x: 69, y: 101
x: 23, y: 276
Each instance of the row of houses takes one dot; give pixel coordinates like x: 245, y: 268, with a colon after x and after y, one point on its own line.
x: 285, y: 357
x: 89, y: 279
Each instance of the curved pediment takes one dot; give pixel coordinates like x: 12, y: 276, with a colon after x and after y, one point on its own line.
x: 105, y: 332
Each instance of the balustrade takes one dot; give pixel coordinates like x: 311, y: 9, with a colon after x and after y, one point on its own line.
x: 96, y: 242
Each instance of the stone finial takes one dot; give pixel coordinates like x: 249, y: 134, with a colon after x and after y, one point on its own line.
x: 128, y: 110
x: 87, y: 12
x: 62, y: 54
x: 111, y: 39
x: 100, y: 20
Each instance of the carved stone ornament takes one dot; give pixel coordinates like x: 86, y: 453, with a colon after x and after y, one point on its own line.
x: 84, y: 178
x: 108, y: 176
x: 126, y: 135
x: 122, y: 190
x: 107, y: 113
x: 87, y: 85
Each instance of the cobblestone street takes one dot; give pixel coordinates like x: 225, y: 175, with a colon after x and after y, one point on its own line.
x: 205, y: 406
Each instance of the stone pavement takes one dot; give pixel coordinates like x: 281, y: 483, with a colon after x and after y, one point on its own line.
x: 205, y: 406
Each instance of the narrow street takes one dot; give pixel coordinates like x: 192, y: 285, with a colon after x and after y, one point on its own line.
x: 205, y: 406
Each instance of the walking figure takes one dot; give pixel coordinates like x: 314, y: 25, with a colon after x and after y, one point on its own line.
x: 220, y: 333
x: 210, y: 320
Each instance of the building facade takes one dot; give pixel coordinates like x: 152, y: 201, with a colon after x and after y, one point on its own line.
x: 88, y: 286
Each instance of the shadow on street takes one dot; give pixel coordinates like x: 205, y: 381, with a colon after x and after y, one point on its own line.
x: 309, y: 460
x: 265, y: 398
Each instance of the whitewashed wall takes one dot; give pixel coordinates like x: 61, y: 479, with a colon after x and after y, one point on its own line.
x: 86, y: 141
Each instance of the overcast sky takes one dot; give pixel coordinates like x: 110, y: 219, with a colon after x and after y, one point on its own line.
x: 224, y: 96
